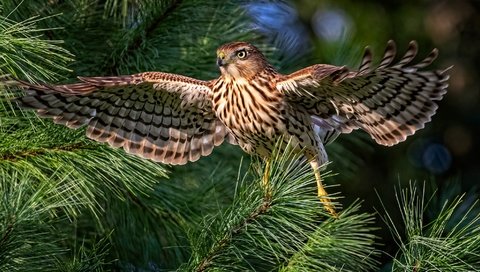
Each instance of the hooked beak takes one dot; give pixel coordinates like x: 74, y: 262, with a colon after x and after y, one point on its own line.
x: 221, y: 59
x: 220, y: 62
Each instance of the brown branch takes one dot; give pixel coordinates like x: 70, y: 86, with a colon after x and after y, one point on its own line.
x: 262, y: 209
x: 20, y: 155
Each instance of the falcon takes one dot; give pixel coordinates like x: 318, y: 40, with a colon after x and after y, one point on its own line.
x: 175, y: 119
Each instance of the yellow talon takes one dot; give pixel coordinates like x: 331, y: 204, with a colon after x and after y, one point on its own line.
x: 266, y: 179
x: 322, y: 194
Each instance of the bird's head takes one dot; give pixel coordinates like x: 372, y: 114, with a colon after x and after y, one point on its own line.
x: 240, y: 59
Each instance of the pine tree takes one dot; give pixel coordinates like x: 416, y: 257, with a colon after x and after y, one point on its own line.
x: 70, y: 204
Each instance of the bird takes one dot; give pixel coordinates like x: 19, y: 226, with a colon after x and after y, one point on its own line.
x: 175, y: 119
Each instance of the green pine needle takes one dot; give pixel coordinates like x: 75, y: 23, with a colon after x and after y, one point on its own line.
x: 26, y: 53
x: 28, y: 239
x: 449, y: 242
x: 283, y: 226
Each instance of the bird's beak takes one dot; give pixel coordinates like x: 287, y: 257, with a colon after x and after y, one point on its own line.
x: 220, y: 62
x: 221, y: 59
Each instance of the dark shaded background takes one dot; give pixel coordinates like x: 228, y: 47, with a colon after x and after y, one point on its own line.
x: 444, y: 155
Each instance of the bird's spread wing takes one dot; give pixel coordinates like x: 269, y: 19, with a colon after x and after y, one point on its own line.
x: 159, y: 116
x: 389, y: 102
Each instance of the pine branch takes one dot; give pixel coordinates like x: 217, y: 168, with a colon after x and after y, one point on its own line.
x: 449, y: 242
x: 28, y: 241
x: 278, y: 227
x: 91, y: 258
x: 137, y: 28
x: 24, y: 52
x: 345, y: 244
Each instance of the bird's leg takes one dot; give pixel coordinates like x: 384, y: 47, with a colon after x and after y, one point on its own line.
x: 266, y: 178
x: 322, y: 194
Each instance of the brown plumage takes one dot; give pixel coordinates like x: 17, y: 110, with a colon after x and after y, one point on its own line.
x: 175, y: 119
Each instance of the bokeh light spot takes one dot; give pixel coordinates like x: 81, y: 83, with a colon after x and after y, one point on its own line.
x: 437, y: 158
x: 331, y: 25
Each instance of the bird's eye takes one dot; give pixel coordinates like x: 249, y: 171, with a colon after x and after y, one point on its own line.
x: 241, y: 54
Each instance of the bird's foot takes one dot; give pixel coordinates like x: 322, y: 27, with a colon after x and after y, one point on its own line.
x: 323, y: 196
x: 266, y: 180
x: 329, y: 207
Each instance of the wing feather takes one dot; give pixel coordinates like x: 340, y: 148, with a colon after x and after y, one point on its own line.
x: 388, y: 56
x: 366, y: 65
x: 389, y: 102
x: 159, y: 116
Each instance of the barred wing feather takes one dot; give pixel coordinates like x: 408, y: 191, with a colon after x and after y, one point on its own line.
x: 389, y: 102
x: 158, y: 116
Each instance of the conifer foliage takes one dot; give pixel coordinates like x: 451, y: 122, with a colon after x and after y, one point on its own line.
x: 70, y: 204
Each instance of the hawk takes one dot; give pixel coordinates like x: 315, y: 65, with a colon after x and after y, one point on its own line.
x: 175, y: 119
